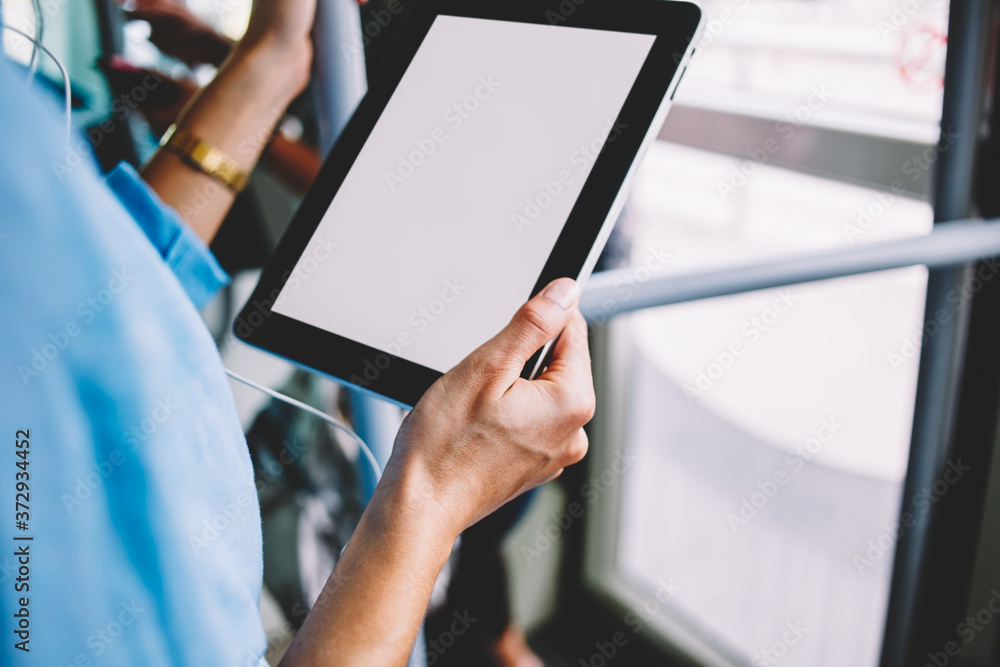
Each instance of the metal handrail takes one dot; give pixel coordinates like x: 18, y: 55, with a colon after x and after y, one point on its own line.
x: 948, y: 244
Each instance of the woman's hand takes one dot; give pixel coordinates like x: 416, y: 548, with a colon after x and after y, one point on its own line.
x: 283, y: 27
x: 483, y: 435
x: 480, y: 436
x: 283, y: 24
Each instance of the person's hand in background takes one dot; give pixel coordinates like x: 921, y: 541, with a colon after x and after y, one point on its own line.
x: 479, y: 437
x: 163, y: 102
x: 237, y: 112
x: 178, y: 33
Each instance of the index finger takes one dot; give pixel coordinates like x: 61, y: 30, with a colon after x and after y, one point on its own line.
x: 569, y: 368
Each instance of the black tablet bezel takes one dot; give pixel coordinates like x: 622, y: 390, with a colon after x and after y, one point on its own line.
x: 674, y: 25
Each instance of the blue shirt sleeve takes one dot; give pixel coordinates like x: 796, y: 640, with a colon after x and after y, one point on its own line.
x: 146, y: 541
x: 184, y: 252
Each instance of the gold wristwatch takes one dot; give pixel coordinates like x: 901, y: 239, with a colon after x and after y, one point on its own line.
x: 205, y: 158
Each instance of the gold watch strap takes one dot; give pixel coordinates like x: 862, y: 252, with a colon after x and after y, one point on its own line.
x: 205, y: 158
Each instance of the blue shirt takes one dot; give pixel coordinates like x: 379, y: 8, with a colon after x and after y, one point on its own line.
x: 140, y: 496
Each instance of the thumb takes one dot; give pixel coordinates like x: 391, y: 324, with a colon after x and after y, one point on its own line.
x: 537, y: 322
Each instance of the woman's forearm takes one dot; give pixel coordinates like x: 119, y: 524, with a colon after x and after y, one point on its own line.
x: 236, y: 113
x: 372, y: 605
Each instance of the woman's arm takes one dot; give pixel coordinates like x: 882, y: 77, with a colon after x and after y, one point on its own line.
x: 236, y: 113
x: 373, y: 603
x: 180, y: 34
x: 479, y: 437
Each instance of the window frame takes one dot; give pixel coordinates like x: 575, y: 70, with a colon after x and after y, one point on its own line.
x: 957, y: 408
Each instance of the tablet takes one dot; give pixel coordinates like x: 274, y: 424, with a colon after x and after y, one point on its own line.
x: 490, y: 156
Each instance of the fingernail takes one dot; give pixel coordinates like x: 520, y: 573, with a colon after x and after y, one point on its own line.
x: 563, y: 291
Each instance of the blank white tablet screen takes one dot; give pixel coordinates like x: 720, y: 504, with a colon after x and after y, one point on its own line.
x: 446, y: 219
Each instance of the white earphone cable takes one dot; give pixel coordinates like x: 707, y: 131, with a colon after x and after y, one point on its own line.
x: 337, y: 424
x: 36, y: 7
x: 62, y: 69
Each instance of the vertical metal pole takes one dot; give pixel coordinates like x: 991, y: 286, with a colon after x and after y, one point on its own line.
x: 339, y: 66
x: 340, y: 82
x: 933, y: 562
x: 109, y: 26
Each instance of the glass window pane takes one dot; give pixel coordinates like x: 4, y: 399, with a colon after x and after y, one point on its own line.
x: 772, y: 429
x: 882, y: 61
